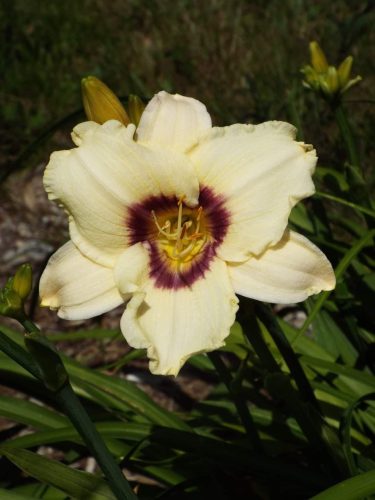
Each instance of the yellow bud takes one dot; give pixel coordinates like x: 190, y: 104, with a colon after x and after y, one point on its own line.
x: 22, y: 281
x: 100, y: 103
x: 135, y: 109
x: 332, y: 80
x: 344, y: 71
x: 318, y: 59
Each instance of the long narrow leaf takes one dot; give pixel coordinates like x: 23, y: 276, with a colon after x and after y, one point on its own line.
x: 355, y: 488
x: 75, y: 483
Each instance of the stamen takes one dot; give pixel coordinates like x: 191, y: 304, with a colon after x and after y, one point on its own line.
x: 185, y: 244
x: 161, y: 229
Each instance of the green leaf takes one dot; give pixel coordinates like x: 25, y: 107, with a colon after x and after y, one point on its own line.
x: 342, y: 201
x: 332, y: 338
x: 75, y: 483
x: 355, y: 488
x: 347, y: 371
x: 126, y: 392
x: 235, y: 342
x: 48, y: 359
x: 339, y: 271
x: 339, y: 177
x: 345, y: 431
x: 122, y: 430
x: 77, y: 336
x: 29, y: 413
x: 300, y: 218
x: 10, y: 495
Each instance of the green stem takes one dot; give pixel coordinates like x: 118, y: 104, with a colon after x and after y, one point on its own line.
x: 94, y: 442
x: 19, y: 355
x: 288, y: 354
x: 240, y: 403
x: 348, y: 136
x: 28, y: 325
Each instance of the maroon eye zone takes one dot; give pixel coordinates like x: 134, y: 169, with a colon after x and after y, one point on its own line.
x: 182, y: 241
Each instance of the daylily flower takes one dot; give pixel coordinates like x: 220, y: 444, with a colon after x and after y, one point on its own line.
x: 175, y: 218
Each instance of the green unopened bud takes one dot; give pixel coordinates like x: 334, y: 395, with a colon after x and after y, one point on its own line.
x: 100, y: 103
x: 329, y: 81
x: 311, y: 80
x: 318, y: 58
x: 135, y: 109
x: 22, y: 281
x: 11, y: 304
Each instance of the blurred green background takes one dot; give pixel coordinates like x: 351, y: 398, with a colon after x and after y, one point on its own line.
x: 241, y: 58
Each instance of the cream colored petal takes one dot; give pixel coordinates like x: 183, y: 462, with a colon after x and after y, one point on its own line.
x: 131, y: 269
x: 289, y: 272
x: 176, y: 324
x: 262, y: 172
x: 173, y: 121
x: 107, y: 173
x: 77, y: 287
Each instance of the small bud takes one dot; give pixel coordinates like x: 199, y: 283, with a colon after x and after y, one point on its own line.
x: 351, y: 83
x: 11, y: 304
x: 22, y: 281
x: 100, y: 103
x: 332, y: 80
x: 135, y: 109
x: 328, y: 81
x: 318, y: 58
x: 344, y: 71
x: 311, y: 80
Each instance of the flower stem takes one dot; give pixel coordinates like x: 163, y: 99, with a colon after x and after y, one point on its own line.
x: 240, y: 403
x: 44, y: 360
x: 348, y: 137
x: 19, y: 355
x: 288, y: 354
x: 358, y: 191
x: 73, y: 407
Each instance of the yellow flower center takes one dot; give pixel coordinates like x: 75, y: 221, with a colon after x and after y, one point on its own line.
x: 182, y: 236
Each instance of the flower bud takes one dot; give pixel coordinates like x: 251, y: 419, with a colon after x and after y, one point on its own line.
x: 135, y: 109
x: 344, y: 70
x: 11, y: 304
x: 318, y: 58
x: 22, y: 281
x: 331, y: 80
x: 100, y: 103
